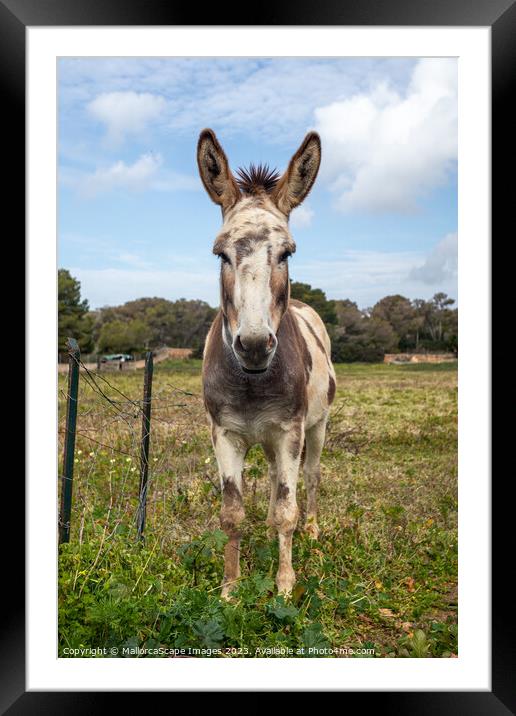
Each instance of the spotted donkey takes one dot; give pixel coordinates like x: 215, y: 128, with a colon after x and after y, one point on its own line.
x: 267, y: 374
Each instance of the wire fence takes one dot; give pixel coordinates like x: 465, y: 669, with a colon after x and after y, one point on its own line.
x: 133, y: 450
x: 136, y: 455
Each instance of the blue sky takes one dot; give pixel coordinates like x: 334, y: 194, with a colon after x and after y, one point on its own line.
x: 135, y: 221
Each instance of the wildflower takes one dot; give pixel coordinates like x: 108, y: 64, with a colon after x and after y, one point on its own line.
x: 208, y: 459
x: 112, y: 460
x: 79, y: 452
x: 128, y: 459
x: 92, y: 454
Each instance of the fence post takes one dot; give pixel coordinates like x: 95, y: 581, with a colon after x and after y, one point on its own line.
x: 74, y: 355
x: 144, y: 450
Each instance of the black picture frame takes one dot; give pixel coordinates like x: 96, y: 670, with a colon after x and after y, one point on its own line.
x: 500, y: 15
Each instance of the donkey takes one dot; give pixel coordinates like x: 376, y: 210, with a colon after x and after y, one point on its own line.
x: 267, y: 374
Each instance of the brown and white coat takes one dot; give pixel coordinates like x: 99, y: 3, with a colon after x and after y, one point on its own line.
x: 267, y: 373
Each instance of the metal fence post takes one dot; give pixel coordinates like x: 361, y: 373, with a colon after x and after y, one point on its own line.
x: 144, y: 450
x: 74, y: 355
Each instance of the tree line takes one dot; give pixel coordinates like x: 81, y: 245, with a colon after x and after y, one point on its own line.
x: 394, y: 324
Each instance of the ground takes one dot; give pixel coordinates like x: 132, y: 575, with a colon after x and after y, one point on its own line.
x: 381, y: 581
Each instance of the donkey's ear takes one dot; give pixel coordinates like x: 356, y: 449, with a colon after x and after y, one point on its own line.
x: 215, y: 172
x: 297, y: 181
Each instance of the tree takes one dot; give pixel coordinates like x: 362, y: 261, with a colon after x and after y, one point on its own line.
x: 180, y: 324
x: 123, y: 336
x: 451, y: 330
x: 393, y: 324
x: 367, y: 340
x: 350, y: 319
x: 399, y: 312
x: 440, y: 304
x: 442, y: 301
x: 316, y: 298
x: 74, y: 320
x: 438, y: 323
x: 420, y: 312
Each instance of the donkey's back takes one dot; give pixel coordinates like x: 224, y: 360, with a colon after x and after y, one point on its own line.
x: 321, y: 375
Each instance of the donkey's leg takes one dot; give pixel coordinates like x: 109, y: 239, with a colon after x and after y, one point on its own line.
x: 273, y: 477
x: 230, y: 451
x: 312, y: 473
x: 285, y: 512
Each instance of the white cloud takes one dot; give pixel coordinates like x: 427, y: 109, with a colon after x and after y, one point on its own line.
x: 168, y: 180
x: 384, y: 150
x: 301, y: 217
x: 113, y: 286
x: 366, y: 276
x: 146, y: 173
x: 270, y: 99
x: 440, y: 264
x: 136, y: 176
x: 126, y: 113
x: 359, y: 275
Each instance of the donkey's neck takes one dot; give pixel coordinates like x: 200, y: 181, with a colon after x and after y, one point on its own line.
x: 282, y: 388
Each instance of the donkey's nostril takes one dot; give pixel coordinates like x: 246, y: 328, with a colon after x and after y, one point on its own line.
x: 239, y: 345
x: 255, y: 349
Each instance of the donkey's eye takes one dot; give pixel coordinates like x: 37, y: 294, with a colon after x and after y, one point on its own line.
x: 284, y: 256
x: 224, y: 258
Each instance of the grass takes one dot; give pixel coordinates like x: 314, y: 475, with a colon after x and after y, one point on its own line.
x: 381, y: 581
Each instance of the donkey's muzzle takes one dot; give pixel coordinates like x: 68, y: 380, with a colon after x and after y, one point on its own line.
x: 255, y: 352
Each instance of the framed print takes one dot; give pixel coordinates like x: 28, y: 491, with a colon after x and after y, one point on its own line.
x: 360, y: 140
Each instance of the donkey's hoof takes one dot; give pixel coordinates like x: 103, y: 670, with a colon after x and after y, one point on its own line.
x: 312, y: 530
x: 227, y: 591
x: 285, y: 581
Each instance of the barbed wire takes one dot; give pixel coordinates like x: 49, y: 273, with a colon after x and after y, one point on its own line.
x: 102, y: 405
x: 104, y: 445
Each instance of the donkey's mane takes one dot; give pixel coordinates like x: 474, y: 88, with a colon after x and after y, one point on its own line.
x: 258, y: 178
